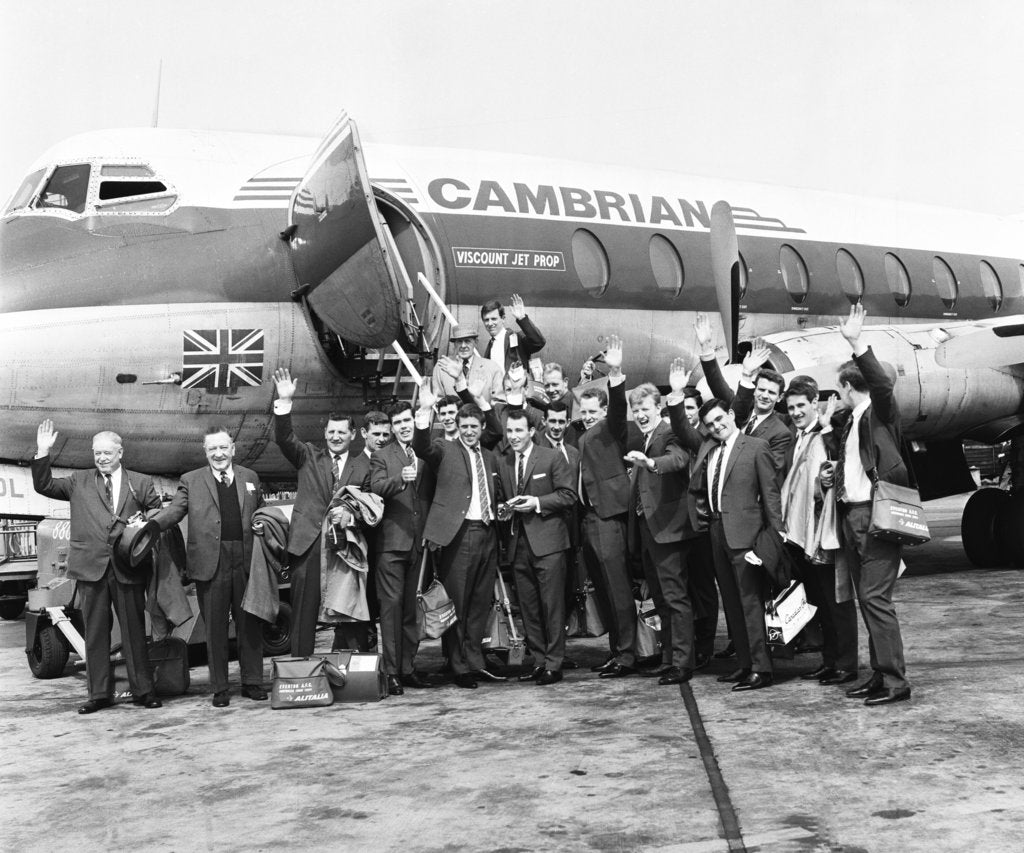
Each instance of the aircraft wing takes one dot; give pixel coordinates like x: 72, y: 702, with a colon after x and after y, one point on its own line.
x: 992, y: 346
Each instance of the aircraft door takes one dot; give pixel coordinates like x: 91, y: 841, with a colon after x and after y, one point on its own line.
x: 339, y: 255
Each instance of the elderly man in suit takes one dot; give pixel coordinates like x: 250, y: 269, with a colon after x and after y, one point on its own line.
x: 478, y: 371
x: 541, y: 493
x: 506, y: 346
x: 322, y: 470
x: 219, y: 500
x: 99, y: 498
x: 406, y: 483
x: 869, y: 450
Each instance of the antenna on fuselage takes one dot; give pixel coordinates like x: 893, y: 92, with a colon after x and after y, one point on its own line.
x: 156, y: 105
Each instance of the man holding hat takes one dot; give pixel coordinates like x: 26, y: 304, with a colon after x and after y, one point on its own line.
x: 477, y: 370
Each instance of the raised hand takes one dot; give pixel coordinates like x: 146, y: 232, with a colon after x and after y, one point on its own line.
x: 46, y: 437
x: 613, y: 355
x: 427, y: 398
x: 851, y: 329
x: 517, y: 374
x: 825, y: 418
x: 756, y: 358
x: 517, y: 307
x: 587, y: 371
x: 285, y: 384
x: 678, y: 375
x: 451, y: 366
x: 476, y: 388
x: 704, y: 332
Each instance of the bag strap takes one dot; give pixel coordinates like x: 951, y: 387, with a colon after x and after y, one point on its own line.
x: 423, y: 570
x: 508, y: 608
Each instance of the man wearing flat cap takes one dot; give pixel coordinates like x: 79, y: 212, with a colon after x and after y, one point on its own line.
x: 478, y: 371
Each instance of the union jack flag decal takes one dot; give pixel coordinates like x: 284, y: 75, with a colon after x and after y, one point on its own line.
x: 221, y: 358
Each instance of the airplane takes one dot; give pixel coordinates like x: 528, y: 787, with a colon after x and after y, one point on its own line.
x: 152, y: 279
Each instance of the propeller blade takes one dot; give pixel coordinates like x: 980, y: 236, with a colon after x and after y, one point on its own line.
x: 725, y: 265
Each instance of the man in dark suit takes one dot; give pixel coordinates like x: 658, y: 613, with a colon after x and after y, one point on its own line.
x: 556, y: 386
x: 734, y: 477
x: 869, y: 449
x: 406, y: 484
x: 660, y: 529
x: 98, y: 499
x: 541, y: 493
x: 322, y: 471
x: 505, y: 346
x: 219, y: 500
x: 461, y: 524
x: 604, y: 496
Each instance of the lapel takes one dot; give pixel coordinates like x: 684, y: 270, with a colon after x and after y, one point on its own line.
x: 212, y: 485
x: 531, y: 463
x: 239, y: 483
x: 737, y: 451
x: 702, y: 456
x: 326, y: 468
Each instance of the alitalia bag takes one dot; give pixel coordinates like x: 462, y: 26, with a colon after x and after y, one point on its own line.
x: 300, y: 683
x: 897, y: 514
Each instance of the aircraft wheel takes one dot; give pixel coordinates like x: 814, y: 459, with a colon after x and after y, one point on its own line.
x: 1010, y: 530
x: 277, y: 637
x: 49, y: 654
x: 978, y: 527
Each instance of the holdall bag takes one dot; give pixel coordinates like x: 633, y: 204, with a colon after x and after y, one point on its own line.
x: 363, y: 674
x: 648, y: 627
x: 169, y: 659
x: 435, y: 610
x: 300, y: 683
x: 897, y: 514
x: 787, y: 614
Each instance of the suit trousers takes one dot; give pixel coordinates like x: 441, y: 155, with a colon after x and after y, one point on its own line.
x: 218, y: 597
x: 874, y: 564
x: 703, y: 594
x: 665, y: 568
x: 540, y: 583
x: 396, y: 576
x: 305, y: 599
x: 129, y: 602
x: 743, y: 589
x: 838, y: 619
x: 604, y: 552
x: 468, y: 569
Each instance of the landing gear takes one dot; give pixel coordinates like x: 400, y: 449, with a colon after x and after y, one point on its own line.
x: 49, y: 653
x: 993, y: 528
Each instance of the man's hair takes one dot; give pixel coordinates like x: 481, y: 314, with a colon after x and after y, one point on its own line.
x: 802, y: 386
x: 375, y: 417
x: 395, y: 409
x: 334, y: 416
x: 492, y: 305
x: 470, y: 410
x: 559, y: 406
x: 642, y: 392
x: 552, y: 366
x: 212, y: 429
x: 710, y: 406
x: 850, y: 374
x: 449, y: 400
x: 518, y: 415
x: 691, y: 393
x: 771, y: 376
x: 595, y: 394
x: 109, y: 435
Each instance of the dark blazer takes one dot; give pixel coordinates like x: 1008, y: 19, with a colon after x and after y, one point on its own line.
x: 454, y: 490
x: 529, y: 341
x: 405, y: 504
x: 315, y: 482
x: 664, y: 496
x: 198, y: 499
x: 549, y: 478
x: 91, y: 521
x: 601, y: 450
x: 544, y: 440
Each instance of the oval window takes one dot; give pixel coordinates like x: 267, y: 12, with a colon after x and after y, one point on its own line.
x: 851, y: 277
x: 666, y: 265
x: 945, y: 282
x: 899, y: 279
x: 744, y: 275
x: 794, y: 273
x: 991, y: 286
x: 591, y: 262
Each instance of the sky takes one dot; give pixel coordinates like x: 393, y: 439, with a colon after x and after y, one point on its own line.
x: 917, y: 100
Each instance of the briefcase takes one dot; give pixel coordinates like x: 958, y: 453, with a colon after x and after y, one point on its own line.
x: 169, y: 661
x: 585, y: 618
x: 897, y: 515
x: 787, y: 614
x: 364, y: 676
x: 300, y: 683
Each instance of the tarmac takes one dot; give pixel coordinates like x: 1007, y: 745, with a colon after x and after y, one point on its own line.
x: 584, y: 765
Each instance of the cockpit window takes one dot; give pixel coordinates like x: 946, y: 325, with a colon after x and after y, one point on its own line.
x: 123, y: 189
x: 130, y: 171
x: 67, y: 188
x: 26, y: 191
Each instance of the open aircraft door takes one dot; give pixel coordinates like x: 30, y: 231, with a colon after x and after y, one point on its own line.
x: 338, y: 251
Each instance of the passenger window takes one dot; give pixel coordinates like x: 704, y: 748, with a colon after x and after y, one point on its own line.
x: 991, y: 286
x: 794, y: 273
x: 851, y: 277
x: 945, y: 282
x: 67, y: 189
x: 666, y: 265
x: 591, y: 263
x: 898, y: 278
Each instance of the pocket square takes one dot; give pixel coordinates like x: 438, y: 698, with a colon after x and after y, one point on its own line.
x: 538, y: 476
x: 250, y: 487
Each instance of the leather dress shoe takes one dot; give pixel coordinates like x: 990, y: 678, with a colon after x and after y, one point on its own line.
x: 601, y: 667
x: 754, y: 681
x: 414, y: 679
x: 728, y: 652
x: 653, y: 671
x: 617, y: 670
x: 91, y: 706
x: 532, y: 675
x: 147, y: 700
x: 487, y: 675
x: 818, y: 674
x: 865, y: 688
x: 254, y: 691
x: 395, y: 686
x: 732, y: 677
x: 888, y: 695
x: 221, y: 699
x: 839, y: 676
x: 675, y: 675
x: 549, y: 676
x: 701, y: 660
x: 466, y: 680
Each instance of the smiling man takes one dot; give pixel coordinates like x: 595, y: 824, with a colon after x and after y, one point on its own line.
x: 478, y: 371
x: 506, y: 346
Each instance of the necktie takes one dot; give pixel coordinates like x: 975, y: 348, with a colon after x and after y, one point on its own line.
x: 841, y: 462
x: 465, y: 368
x: 561, y: 449
x: 336, y: 469
x: 481, y: 484
x: 410, y: 454
x: 108, y: 487
x: 713, y: 497
x: 520, y: 473
x: 224, y: 478
x: 749, y: 428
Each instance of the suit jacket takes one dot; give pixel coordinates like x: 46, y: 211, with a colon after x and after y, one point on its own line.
x: 91, y: 520
x: 529, y: 341
x: 197, y: 497
x: 544, y: 440
x: 405, y: 504
x: 548, y: 477
x: 454, y: 490
x: 663, y: 495
x: 601, y: 450
x: 802, y: 494
x: 316, y: 482
x: 481, y: 370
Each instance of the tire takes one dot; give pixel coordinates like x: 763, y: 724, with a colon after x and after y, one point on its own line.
x: 49, y: 654
x: 1010, y: 531
x: 979, y: 528
x: 277, y: 638
x: 12, y: 608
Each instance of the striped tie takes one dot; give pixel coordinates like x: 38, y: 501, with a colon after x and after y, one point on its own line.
x: 481, y: 484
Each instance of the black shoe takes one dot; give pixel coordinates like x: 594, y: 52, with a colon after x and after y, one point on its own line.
x: 395, y: 686
x: 415, y: 680
x: 221, y: 699
x: 465, y: 679
x: 254, y: 691
x: 147, y: 700
x: 701, y: 660
x: 839, y: 676
x: 654, y: 671
x: 819, y: 674
x: 601, y: 667
x: 754, y: 681
x: 533, y: 674
x: 732, y: 677
x: 888, y: 695
x: 728, y: 652
x: 487, y: 675
x: 675, y: 675
x: 93, y: 705
x: 865, y: 688
x: 569, y: 663
x: 617, y: 670
x: 549, y: 676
